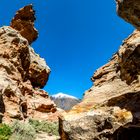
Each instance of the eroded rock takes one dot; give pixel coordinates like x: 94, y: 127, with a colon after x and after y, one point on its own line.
x: 93, y: 125
x: 24, y: 23
x: 129, y: 10
x: 129, y: 58
x: 22, y: 72
x: 38, y: 70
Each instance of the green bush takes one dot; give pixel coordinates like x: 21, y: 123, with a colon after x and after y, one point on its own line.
x: 27, y: 131
x: 44, y: 126
x: 5, y: 132
x: 22, y: 131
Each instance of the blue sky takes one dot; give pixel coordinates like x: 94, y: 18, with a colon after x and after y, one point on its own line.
x: 75, y: 37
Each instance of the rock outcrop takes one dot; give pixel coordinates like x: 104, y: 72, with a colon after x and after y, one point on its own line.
x: 110, y: 109
x: 129, y: 10
x: 22, y: 72
x: 38, y: 70
x: 24, y: 23
x: 64, y: 101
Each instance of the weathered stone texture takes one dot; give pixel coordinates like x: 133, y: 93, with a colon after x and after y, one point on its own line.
x: 129, y: 10
x: 24, y: 23
x: 22, y: 72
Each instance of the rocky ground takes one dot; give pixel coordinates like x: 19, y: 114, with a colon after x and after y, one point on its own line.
x: 44, y: 136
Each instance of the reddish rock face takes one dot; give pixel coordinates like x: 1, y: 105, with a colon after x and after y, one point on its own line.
x: 24, y: 23
x: 23, y: 72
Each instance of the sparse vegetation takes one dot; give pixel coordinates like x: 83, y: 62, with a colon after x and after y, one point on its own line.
x: 5, y: 132
x: 48, y: 127
x: 27, y: 131
x: 22, y: 131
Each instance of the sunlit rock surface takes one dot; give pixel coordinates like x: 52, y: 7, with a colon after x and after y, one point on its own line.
x: 23, y: 72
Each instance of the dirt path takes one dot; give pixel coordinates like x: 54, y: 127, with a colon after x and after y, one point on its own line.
x: 44, y: 136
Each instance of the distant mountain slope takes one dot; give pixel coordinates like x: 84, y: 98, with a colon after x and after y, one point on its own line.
x: 65, y: 101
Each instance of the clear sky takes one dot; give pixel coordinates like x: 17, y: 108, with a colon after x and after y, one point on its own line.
x: 75, y: 37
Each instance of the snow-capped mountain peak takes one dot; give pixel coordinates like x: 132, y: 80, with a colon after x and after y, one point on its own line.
x: 64, y: 101
x: 62, y: 95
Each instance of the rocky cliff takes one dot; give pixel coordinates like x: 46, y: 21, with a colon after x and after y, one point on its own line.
x: 110, y: 109
x: 22, y: 72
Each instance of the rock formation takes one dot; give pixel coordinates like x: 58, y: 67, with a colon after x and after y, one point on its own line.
x: 129, y: 10
x: 110, y: 109
x: 64, y: 101
x: 24, y: 23
x: 22, y: 72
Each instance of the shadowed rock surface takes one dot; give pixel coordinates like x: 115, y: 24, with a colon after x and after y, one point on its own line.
x: 38, y: 70
x: 129, y: 10
x: 23, y: 22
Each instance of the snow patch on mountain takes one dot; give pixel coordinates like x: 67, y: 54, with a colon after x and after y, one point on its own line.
x: 64, y: 101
